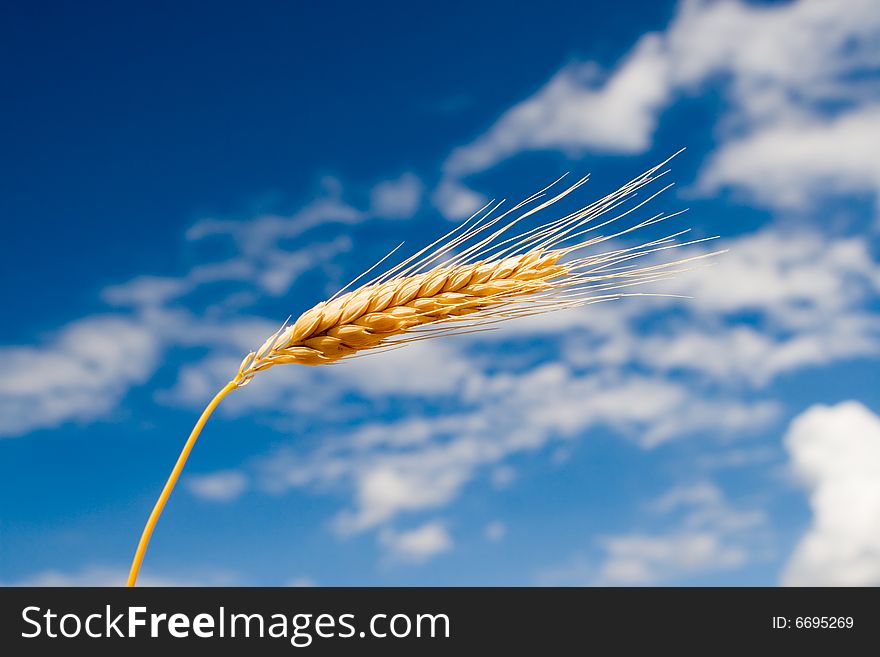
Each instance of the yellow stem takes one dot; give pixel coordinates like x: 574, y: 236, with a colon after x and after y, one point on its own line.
x: 172, y: 479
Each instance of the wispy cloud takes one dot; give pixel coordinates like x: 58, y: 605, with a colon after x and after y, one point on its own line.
x: 455, y: 201
x: 77, y: 374
x: 794, y: 163
x: 711, y: 535
x: 398, y: 198
x: 641, y: 559
x: 417, y: 545
x: 705, y: 534
x: 217, y: 486
x: 495, y: 531
x: 580, y: 108
x: 255, y: 236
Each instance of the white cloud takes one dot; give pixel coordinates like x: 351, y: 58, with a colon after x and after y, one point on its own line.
x: 578, y: 110
x: 779, y: 57
x: 272, y: 272
x: 495, y: 531
x: 710, y: 535
x: 810, y: 294
x: 417, y: 545
x: 795, y: 277
x: 739, y: 353
x: 737, y: 457
x: 281, y: 267
x: 218, y: 486
x: 264, y: 256
x: 803, y: 120
x: 704, y: 534
x: 146, y: 291
x: 640, y: 559
x: 552, y: 400
x: 800, y: 120
x: 406, y: 482
x: 793, y: 163
x: 237, y: 334
x: 158, y: 291
x: 425, y: 369
x: 77, y: 375
x: 397, y: 199
x: 412, y: 465
x: 503, y: 476
x: 255, y: 236
x: 836, y: 452
x: 702, y: 494
x: 455, y: 201
x: 292, y: 391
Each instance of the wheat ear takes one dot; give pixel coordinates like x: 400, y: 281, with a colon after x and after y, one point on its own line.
x: 474, y: 276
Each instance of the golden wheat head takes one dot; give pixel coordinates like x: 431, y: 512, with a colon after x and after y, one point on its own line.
x: 475, y: 275
x: 486, y: 270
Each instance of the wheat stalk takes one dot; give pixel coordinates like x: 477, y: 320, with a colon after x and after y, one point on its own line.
x: 469, y: 279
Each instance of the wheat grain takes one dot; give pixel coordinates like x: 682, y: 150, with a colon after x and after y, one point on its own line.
x: 529, y: 276
x: 474, y: 276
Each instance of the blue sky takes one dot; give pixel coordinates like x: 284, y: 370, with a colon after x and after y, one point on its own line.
x: 179, y: 179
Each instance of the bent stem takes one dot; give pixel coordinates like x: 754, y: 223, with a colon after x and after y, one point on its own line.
x: 172, y: 480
